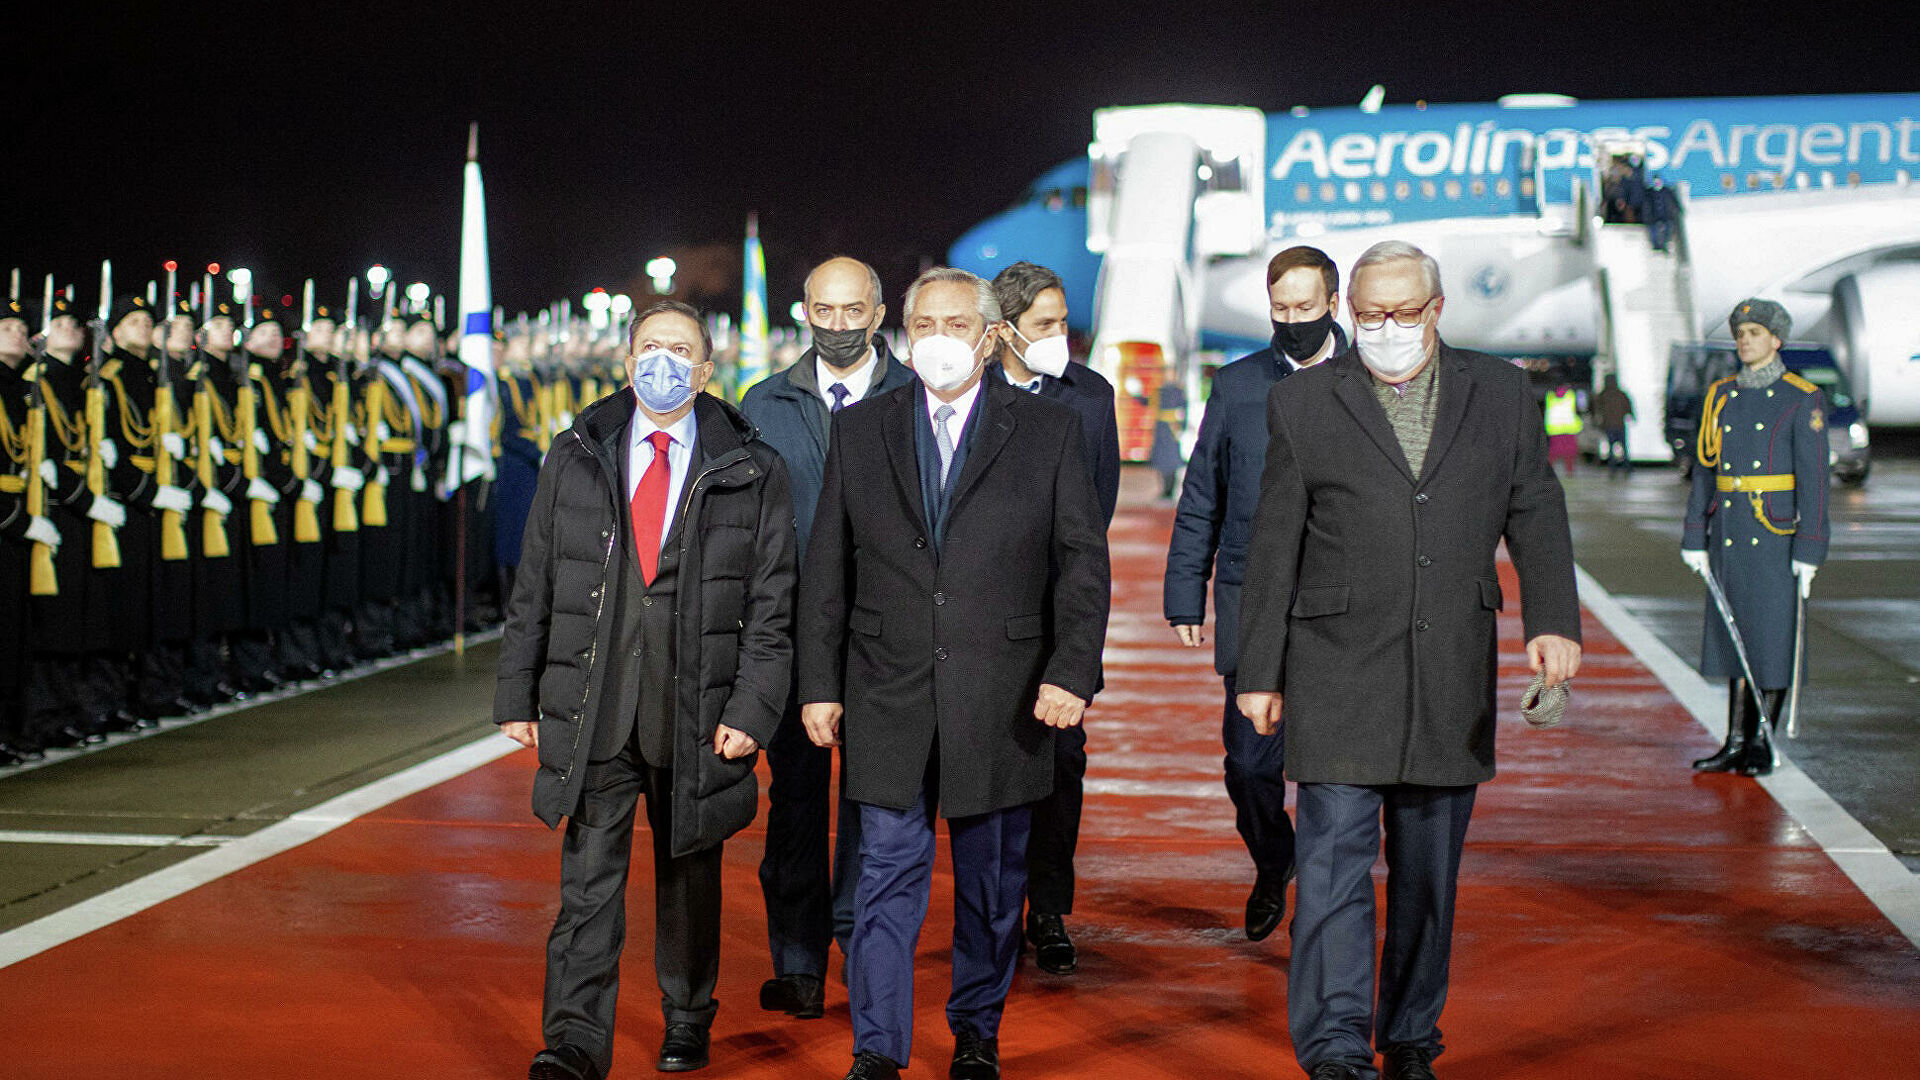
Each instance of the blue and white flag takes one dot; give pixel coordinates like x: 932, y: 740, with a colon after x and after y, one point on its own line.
x: 754, y: 351
x: 473, y: 444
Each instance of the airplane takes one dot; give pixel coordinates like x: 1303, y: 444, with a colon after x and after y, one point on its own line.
x: 1164, y: 230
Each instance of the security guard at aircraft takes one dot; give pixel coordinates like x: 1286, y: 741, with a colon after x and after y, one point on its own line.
x: 1757, y: 520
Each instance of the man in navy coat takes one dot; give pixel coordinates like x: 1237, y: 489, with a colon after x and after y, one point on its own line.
x: 1214, y: 521
x: 794, y: 410
x: 1033, y: 357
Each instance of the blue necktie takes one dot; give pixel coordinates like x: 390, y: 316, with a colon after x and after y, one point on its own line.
x: 839, y: 392
x: 943, y: 441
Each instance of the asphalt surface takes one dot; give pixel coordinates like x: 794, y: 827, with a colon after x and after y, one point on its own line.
x: 1860, y: 709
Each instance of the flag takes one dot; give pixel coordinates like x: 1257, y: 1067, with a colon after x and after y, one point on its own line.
x: 474, y: 447
x: 753, y: 312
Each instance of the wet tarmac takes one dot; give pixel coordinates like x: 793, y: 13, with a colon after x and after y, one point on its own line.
x: 1618, y: 917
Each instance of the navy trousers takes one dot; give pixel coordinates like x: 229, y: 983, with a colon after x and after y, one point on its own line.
x: 1332, y: 1011
x: 806, y: 907
x: 1257, y: 784
x: 896, y: 876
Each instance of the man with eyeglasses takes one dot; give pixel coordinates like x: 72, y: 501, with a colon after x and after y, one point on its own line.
x: 1392, y: 474
x: 1210, y: 530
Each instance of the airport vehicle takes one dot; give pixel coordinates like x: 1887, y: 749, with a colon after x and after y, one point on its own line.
x: 1694, y: 366
x: 1807, y: 200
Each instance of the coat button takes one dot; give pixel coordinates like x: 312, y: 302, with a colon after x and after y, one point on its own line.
x: 1421, y: 498
x: 646, y: 601
x: 1759, y: 427
x: 940, y: 653
x: 1425, y: 560
x: 920, y: 541
x: 939, y: 598
x: 1422, y: 625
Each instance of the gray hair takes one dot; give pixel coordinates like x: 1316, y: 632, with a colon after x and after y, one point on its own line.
x: 989, y: 307
x: 1387, y: 251
x: 873, y: 279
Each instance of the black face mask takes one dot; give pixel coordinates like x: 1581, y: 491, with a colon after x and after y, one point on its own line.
x: 840, y: 348
x: 1302, y: 340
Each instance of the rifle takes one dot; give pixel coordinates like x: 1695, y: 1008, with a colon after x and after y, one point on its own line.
x: 345, y: 517
x: 173, y: 530
x: 213, y: 523
x: 246, y: 409
x: 306, y: 518
x: 106, y: 546
x: 41, y: 580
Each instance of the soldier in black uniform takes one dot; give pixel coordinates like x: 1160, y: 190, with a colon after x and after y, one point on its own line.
x: 521, y: 450
x: 221, y: 529
x: 1757, y: 519
x: 20, y: 530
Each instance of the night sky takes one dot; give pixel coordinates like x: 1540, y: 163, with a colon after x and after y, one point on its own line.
x: 315, y: 139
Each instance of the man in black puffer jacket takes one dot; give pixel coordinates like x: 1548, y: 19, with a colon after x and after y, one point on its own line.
x: 648, y: 648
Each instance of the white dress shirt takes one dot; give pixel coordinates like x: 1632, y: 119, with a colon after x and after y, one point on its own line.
x: 679, y: 458
x: 856, y: 381
x: 962, y: 408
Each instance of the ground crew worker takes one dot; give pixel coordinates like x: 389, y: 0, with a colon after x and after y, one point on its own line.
x: 1562, y: 410
x: 1757, y: 518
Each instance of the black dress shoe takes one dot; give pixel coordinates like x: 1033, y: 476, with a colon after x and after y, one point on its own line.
x: 1408, y: 1063
x: 868, y: 1065
x: 562, y: 1063
x: 1052, y: 949
x: 1335, y: 1070
x: 975, y: 1057
x: 800, y: 996
x: 74, y: 738
x: 1266, y: 905
x: 684, y: 1049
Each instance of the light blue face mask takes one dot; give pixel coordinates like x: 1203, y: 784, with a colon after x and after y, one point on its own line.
x: 662, y: 380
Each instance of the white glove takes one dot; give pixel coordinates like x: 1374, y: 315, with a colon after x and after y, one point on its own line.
x: 42, y: 531
x: 313, y: 443
x: 107, y: 512
x: 353, y: 435
x: 383, y: 477
x: 109, y: 452
x: 260, y: 491
x: 380, y: 432
x: 348, y: 477
x: 167, y: 497
x: 565, y: 421
x: 260, y: 440
x: 419, y: 478
x: 311, y: 491
x: 49, y: 472
x: 457, y: 432
x: 1803, y: 573
x: 215, y: 500
x: 175, y: 445
x: 215, y: 450
x: 1696, y: 560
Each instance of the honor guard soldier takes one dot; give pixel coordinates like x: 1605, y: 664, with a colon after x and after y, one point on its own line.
x: 1757, y: 523
x: 27, y: 536
x: 523, y: 442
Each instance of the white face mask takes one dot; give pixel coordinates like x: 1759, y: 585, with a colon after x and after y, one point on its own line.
x: 1392, y: 350
x: 1048, y: 356
x: 943, y: 362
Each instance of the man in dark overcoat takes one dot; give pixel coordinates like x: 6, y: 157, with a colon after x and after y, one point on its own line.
x: 1757, y: 520
x: 952, y: 611
x: 1393, y: 474
x: 648, y: 649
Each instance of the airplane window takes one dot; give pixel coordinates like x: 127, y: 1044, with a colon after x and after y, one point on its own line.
x: 1377, y: 191
x: 1479, y: 188
x: 1526, y: 186
x: 1054, y: 201
x: 1080, y: 198
x: 1826, y: 179
x: 1303, y: 193
x: 1453, y: 189
x: 1402, y: 189
x: 1428, y: 190
x: 1353, y: 191
x: 1502, y: 188
x: 1779, y: 181
x: 1800, y: 181
x: 1853, y: 179
x: 1328, y: 192
x: 1727, y: 181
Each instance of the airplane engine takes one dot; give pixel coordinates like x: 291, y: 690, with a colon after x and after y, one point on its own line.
x: 1876, y: 337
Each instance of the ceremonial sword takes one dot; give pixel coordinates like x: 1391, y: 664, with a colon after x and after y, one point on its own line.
x: 1739, y: 647
x: 1799, y: 656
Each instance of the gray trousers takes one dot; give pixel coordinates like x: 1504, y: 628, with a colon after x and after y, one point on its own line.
x: 1331, y: 1003
x: 583, y: 953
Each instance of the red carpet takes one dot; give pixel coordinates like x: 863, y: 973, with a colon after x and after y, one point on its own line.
x: 1618, y: 917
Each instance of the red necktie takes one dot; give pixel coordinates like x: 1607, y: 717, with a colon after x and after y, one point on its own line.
x: 649, y: 506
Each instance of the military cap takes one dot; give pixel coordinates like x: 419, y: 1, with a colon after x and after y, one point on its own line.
x: 1766, y: 314
x: 124, y: 307
x: 63, y: 308
x: 323, y: 313
x: 219, y: 311
x: 270, y: 315
x: 15, y: 309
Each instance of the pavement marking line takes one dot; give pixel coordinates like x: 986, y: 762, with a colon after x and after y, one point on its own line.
x: 1884, y: 879
x: 110, y: 839
x: 241, y: 852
